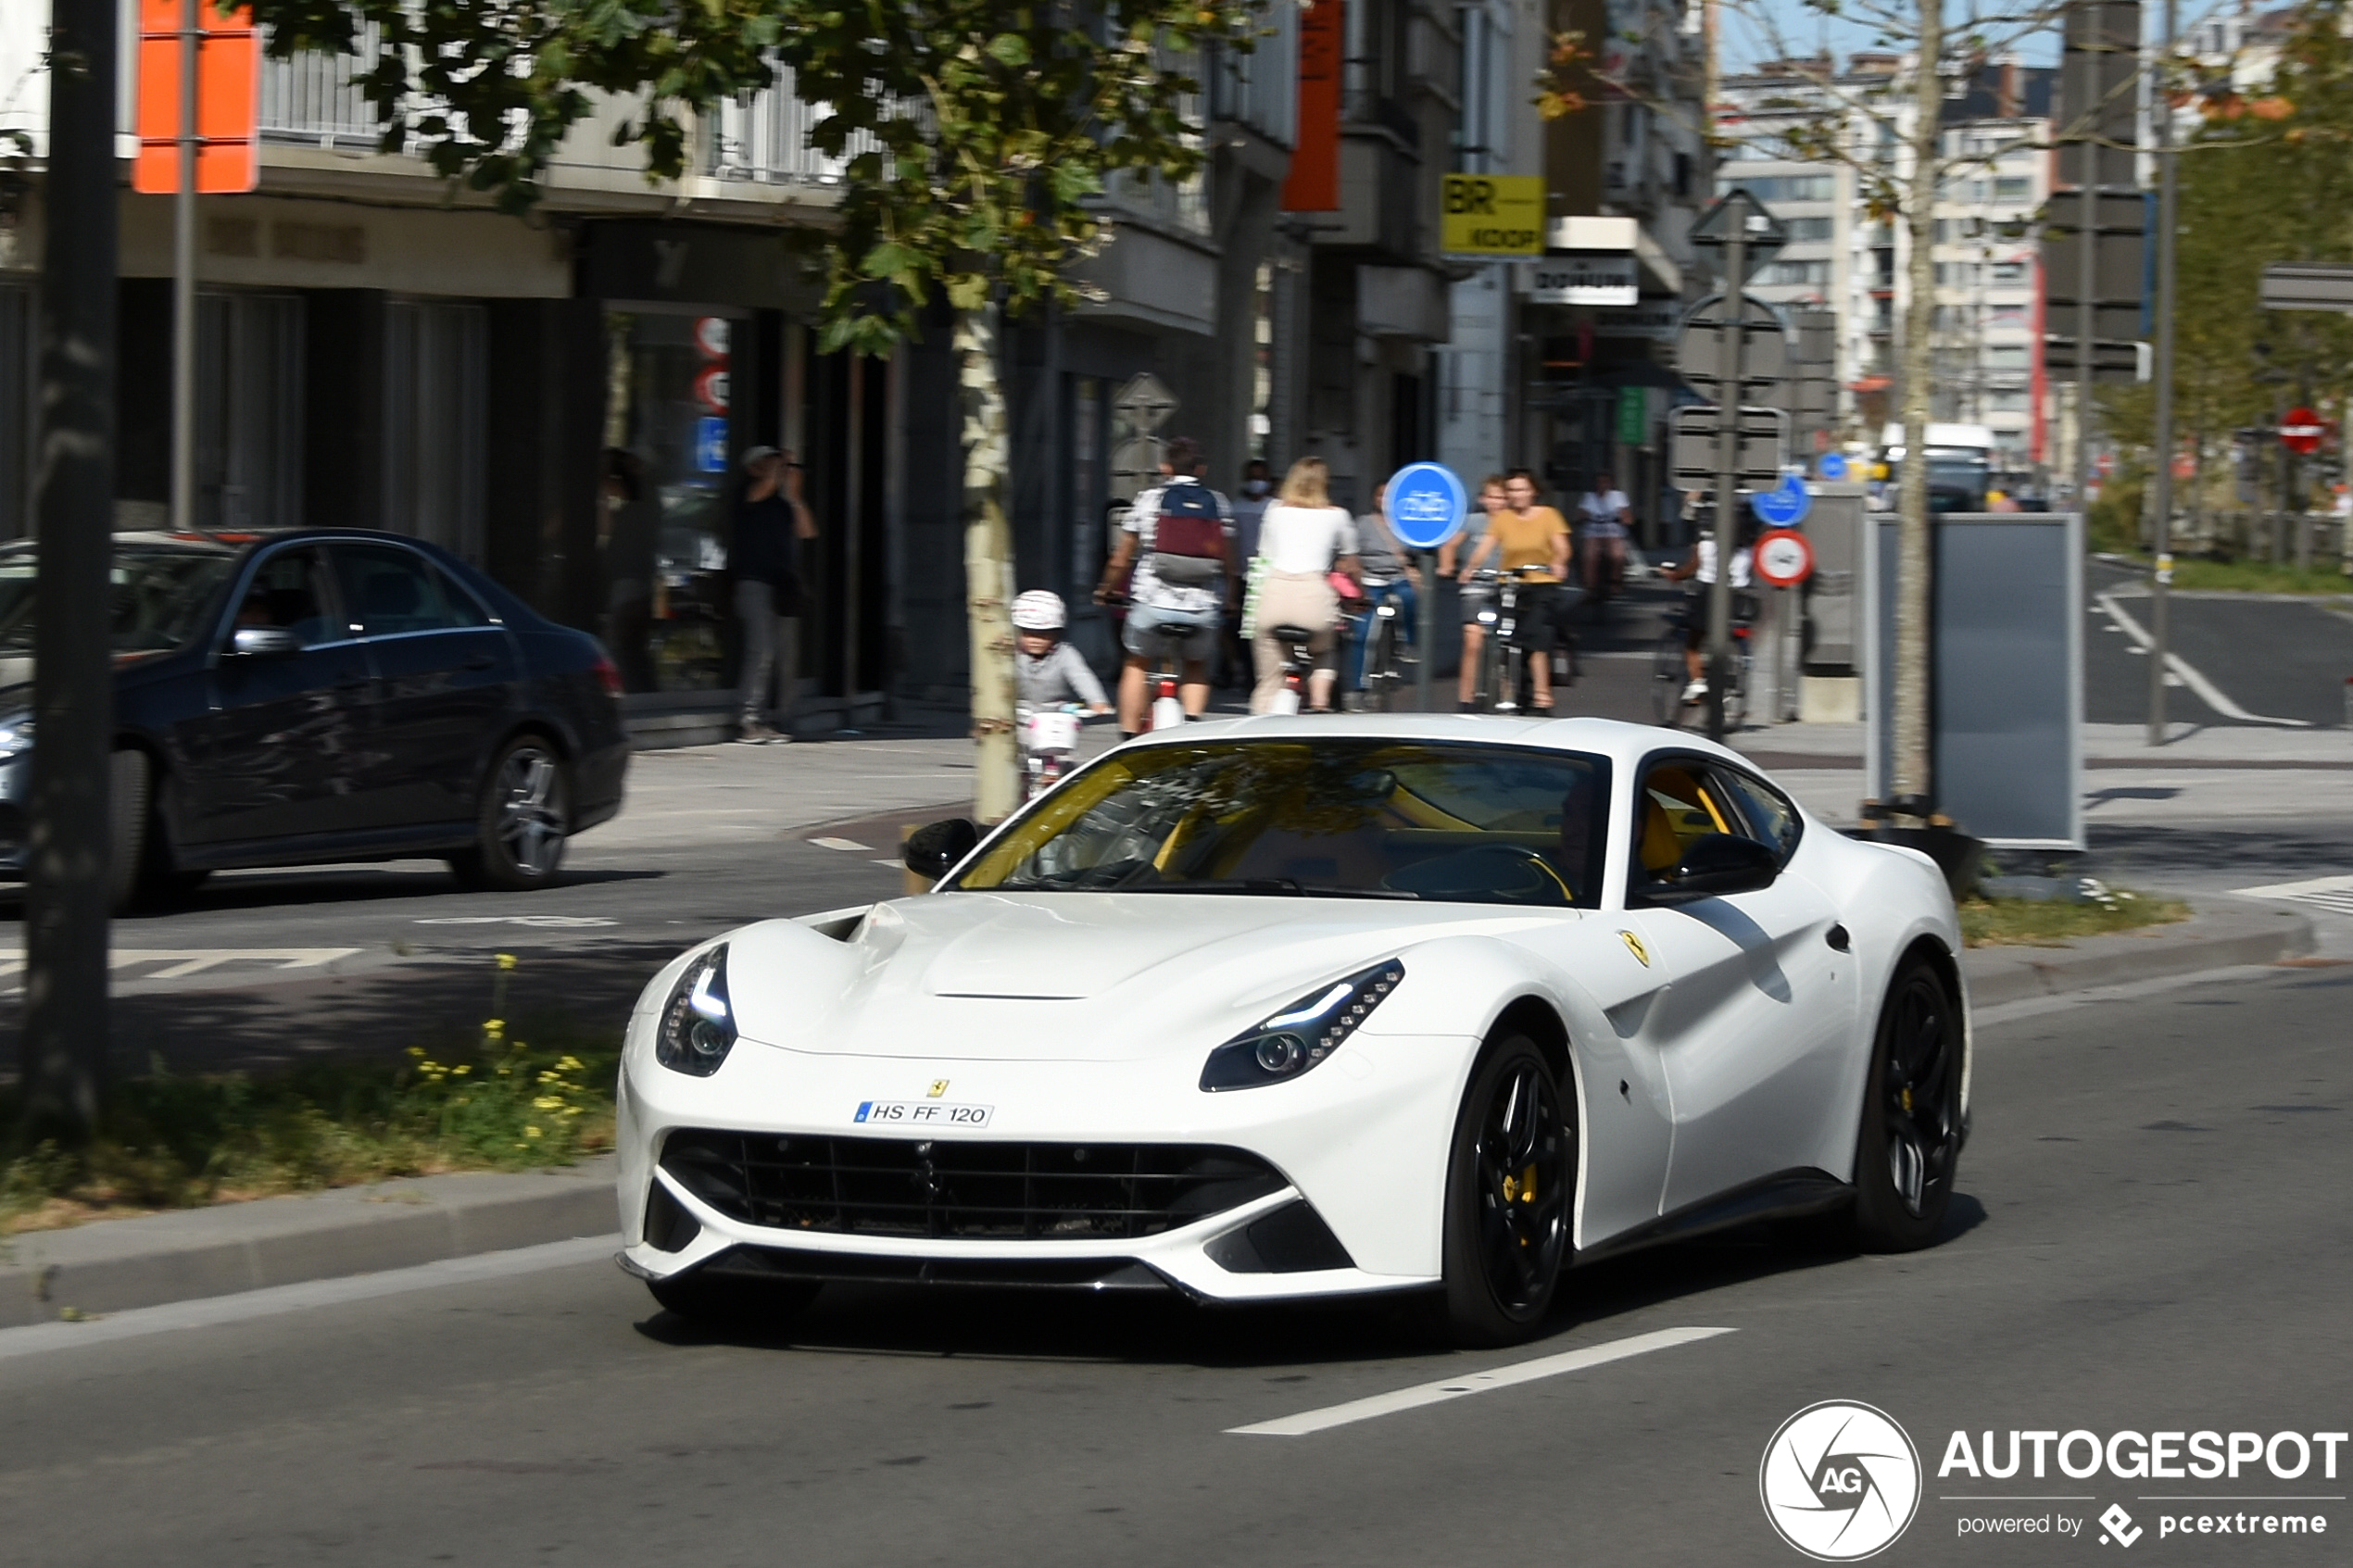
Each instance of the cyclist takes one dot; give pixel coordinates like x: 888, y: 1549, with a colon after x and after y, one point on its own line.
x: 1602, y: 514
x: 1533, y: 541
x: 1047, y: 671
x: 1309, y: 545
x: 1178, y: 595
x: 1491, y: 504
x: 1698, y: 566
x: 1388, y: 576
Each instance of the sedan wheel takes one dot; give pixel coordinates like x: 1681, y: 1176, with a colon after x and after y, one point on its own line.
x: 1910, y: 1141
x: 526, y: 813
x: 1508, y: 1188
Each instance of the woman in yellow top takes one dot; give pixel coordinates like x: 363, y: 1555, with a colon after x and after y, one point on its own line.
x: 1528, y: 535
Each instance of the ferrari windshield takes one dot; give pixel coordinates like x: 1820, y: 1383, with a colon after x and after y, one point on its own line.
x: 1344, y: 817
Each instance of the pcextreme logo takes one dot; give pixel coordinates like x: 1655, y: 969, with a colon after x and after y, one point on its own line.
x: 1841, y: 1481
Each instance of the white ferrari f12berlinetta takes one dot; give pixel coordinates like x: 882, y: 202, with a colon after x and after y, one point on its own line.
x: 1286, y: 1008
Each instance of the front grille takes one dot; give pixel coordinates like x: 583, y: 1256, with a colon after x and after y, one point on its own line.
x: 953, y: 1188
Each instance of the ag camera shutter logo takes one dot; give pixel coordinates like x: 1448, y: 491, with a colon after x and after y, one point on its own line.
x: 1840, y: 1481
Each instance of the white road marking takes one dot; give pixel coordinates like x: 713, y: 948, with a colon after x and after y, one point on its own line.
x: 1323, y: 1420
x: 2206, y: 690
x: 39, y: 1338
x: 850, y: 846
x: 2332, y: 893
x: 539, y: 922
x: 184, y: 961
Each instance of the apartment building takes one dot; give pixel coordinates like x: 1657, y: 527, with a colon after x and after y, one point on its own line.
x: 375, y: 353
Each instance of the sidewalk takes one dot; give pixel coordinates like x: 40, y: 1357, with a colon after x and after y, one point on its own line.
x: 117, y: 1265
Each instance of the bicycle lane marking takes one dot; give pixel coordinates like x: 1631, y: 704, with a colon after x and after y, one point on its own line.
x: 2206, y: 690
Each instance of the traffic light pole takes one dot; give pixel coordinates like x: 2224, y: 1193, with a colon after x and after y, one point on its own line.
x: 1734, y: 333
x: 2165, y: 196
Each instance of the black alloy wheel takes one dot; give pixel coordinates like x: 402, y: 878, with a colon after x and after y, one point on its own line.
x: 734, y: 1302
x: 1910, y: 1142
x: 1508, y: 1188
x: 524, y: 821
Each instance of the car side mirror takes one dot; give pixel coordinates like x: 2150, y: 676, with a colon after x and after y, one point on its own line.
x: 1713, y: 865
x: 931, y: 851
x: 264, y: 642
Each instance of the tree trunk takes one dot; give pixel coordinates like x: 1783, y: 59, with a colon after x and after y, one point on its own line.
x: 1911, y: 782
x: 67, y: 884
x: 989, y: 568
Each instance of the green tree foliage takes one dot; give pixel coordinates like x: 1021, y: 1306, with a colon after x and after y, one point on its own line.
x: 2266, y: 178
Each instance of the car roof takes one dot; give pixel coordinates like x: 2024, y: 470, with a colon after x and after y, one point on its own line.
x: 1621, y: 741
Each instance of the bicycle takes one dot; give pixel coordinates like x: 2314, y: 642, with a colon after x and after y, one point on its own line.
x: 1384, y: 634
x: 1298, y: 666
x: 1670, y: 672
x: 1167, y: 711
x: 1502, y: 673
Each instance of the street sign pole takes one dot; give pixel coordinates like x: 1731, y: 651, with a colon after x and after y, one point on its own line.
x: 1733, y: 330
x: 183, y: 280
x: 2166, y: 196
x: 1425, y: 635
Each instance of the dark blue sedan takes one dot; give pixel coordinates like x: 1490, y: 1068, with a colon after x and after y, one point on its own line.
x: 327, y: 696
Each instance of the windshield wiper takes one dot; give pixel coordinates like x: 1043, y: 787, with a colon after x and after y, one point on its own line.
x: 1282, y: 885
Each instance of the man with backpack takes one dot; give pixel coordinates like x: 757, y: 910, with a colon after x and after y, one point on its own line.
x: 1175, y: 561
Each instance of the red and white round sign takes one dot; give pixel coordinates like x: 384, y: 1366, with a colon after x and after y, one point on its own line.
x: 1784, y: 556
x: 2300, y: 431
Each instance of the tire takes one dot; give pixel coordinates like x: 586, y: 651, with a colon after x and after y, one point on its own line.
x: 131, y: 786
x: 733, y: 1301
x: 1910, y: 1144
x: 523, y: 819
x: 1507, y: 1236
x: 1668, y: 677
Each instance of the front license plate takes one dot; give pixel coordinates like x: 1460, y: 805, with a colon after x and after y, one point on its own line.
x: 920, y: 1114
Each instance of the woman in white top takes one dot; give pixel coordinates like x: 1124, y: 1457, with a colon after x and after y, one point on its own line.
x: 1302, y: 539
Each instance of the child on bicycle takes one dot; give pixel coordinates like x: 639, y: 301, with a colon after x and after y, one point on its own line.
x: 1047, y: 670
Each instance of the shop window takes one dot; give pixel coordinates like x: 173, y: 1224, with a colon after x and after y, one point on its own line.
x: 248, y: 411
x: 667, y: 403
x: 15, y: 410
x: 436, y: 369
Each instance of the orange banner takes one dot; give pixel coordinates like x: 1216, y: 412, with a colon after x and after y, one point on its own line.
x: 228, y: 98
x: 1313, y: 182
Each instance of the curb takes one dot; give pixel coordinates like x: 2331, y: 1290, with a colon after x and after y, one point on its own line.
x: 116, y: 1265
x: 2217, y: 935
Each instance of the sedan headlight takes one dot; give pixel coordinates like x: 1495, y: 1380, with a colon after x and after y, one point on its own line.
x: 1303, y: 1034
x: 698, y: 1025
x: 16, y: 736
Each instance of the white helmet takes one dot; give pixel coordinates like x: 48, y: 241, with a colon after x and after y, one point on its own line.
x: 1039, y: 611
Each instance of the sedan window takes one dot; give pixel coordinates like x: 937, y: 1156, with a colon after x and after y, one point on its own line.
x: 393, y: 592
x: 290, y: 593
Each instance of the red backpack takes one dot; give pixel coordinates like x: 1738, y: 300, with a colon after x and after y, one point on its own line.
x: 1188, y: 536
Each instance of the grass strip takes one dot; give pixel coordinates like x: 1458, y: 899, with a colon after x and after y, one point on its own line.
x: 493, y: 1103
x: 1996, y: 922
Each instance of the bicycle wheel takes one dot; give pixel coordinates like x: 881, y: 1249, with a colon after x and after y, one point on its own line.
x: 1667, y: 677
x: 1380, y: 667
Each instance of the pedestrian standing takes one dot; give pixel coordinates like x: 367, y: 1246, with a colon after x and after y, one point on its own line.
x: 1474, y: 597
x: 1174, y: 562
x: 1304, y: 541
x: 771, y: 521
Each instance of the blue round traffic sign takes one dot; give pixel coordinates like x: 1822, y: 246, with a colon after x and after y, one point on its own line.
x: 1784, y: 505
x: 1425, y: 504
x: 1832, y: 467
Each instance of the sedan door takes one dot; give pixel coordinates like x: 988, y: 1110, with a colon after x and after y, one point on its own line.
x: 446, y: 682
x: 1756, y: 1021
x: 277, y: 754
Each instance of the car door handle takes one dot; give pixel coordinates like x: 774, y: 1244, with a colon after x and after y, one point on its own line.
x: 480, y: 662
x: 1837, y: 939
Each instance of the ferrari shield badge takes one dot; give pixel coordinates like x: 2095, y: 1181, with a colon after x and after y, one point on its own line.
x: 1634, y: 946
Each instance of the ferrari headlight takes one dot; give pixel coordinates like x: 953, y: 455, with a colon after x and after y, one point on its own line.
x: 698, y: 1025
x: 1303, y: 1034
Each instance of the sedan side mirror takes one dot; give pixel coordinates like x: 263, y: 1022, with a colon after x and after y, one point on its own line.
x: 932, y: 850
x: 1713, y: 865
x: 264, y: 642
